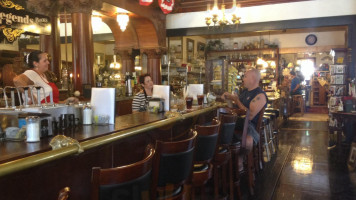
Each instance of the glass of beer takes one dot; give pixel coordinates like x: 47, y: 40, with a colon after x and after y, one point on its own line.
x: 189, y: 102
x: 200, y: 98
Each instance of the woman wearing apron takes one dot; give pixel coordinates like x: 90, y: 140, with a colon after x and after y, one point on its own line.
x: 37, y: 62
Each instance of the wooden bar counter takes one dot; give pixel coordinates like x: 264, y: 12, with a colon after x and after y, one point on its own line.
x: 34, y: 171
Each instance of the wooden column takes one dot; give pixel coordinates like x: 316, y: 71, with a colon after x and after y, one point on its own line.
x: 56, y: 62
x: 83, y: 50
x: 127, y: 61
x: 154, y: 65
x: 51, y: 44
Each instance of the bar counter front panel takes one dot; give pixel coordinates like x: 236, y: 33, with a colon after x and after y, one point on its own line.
x: 104, y: 146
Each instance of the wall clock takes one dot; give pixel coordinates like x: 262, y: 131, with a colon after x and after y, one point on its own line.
x: 311, y: 39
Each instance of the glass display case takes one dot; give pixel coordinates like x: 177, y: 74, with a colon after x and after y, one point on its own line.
x: 216, y: 77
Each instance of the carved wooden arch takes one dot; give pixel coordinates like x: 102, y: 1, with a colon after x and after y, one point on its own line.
x: 147, y: 18
x: 123, y: 40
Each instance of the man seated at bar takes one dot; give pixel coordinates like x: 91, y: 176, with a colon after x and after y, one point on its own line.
x: 140, y: 101
x: 37, y: 62
x: 295, y: 88
x: 252, y: 98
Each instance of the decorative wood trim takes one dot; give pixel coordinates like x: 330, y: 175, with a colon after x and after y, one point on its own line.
x: 201, y: 5
x: 309, y: 49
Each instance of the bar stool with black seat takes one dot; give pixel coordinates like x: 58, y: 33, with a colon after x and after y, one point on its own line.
x: 172, y: 168
x: 222, y: 159
x: 125, y: 182
x: 205, y: 149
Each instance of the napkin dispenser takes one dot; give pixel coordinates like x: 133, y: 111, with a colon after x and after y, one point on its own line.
x: 156, y: 105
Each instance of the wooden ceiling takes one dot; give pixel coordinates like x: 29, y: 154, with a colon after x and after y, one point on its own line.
x: 201, y: 5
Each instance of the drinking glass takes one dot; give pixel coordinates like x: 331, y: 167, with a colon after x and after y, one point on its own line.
x: 189, y: 102
x: 200, y: 98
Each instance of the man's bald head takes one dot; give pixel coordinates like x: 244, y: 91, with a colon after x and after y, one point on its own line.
x: 252, y: 78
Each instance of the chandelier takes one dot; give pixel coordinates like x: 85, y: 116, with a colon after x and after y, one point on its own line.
x: 122, y: 18
x: 222, y: 17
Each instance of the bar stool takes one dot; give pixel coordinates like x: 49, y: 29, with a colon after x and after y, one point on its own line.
x: 271, y: 124
x: 275, y: 125
x: 172, y: 167
x: 265, y: 137
x: 125, y: 182
x: 258, y: 151
x: 205, y: 149
x: 298, y: 102
x: 222, y: 159
x: 244, y: 153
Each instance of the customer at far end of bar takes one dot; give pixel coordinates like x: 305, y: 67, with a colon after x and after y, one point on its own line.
x: 37, y: 62
x: 295, y: 88
x: 140, y: 101
x: 252, y: 98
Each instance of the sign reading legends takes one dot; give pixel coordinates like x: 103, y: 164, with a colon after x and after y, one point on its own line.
x: 15, y: 20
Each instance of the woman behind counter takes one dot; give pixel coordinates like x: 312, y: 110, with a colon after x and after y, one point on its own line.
x: 140, y: 101
x: 38, y: 63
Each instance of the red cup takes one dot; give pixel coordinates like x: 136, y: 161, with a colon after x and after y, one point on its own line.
x: 189, y: 102
x: 200, y: 99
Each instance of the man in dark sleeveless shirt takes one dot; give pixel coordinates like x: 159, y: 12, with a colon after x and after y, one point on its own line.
x: 252, y: 98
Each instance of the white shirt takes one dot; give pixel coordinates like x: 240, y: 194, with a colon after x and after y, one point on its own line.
x: 38, y: 81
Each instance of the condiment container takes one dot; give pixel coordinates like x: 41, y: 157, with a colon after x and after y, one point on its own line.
x: 87, y: 115
x: 33, y: 129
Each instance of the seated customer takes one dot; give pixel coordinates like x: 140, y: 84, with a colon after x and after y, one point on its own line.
x: 295, y: 88
x: 140, y: 101
x: 252, y: 98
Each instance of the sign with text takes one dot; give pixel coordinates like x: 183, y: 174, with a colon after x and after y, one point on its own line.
x: 15, y: 20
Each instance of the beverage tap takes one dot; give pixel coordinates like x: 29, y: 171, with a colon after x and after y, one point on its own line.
x: 38, y: 89
x: 12, y: 90
x: 51, y: 98
x: 25, y: 89
x: 19, y: 96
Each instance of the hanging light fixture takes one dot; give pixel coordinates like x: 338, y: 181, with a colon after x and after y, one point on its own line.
x: 115, y: 65
x: 122, y: 18
x: 222, y: 17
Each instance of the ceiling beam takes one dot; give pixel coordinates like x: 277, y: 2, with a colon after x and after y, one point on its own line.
x: 201, y: 5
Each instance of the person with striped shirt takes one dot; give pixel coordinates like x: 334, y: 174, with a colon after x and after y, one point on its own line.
x: 140, y: 101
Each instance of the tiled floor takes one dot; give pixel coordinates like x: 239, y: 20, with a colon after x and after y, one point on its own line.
x: 304, y: 169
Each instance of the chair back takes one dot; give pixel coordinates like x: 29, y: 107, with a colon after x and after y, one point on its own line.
x: 245, y: 130
x: 228, y: 123
x: 125, y: 182
x: 259, y: 121
x: 206, y: 142
x: 173, y: 163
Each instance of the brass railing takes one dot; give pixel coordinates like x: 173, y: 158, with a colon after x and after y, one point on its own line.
x: 42, y: 158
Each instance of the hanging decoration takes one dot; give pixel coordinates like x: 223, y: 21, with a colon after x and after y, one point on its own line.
x: 166, y: 5
x: 145, y: 2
